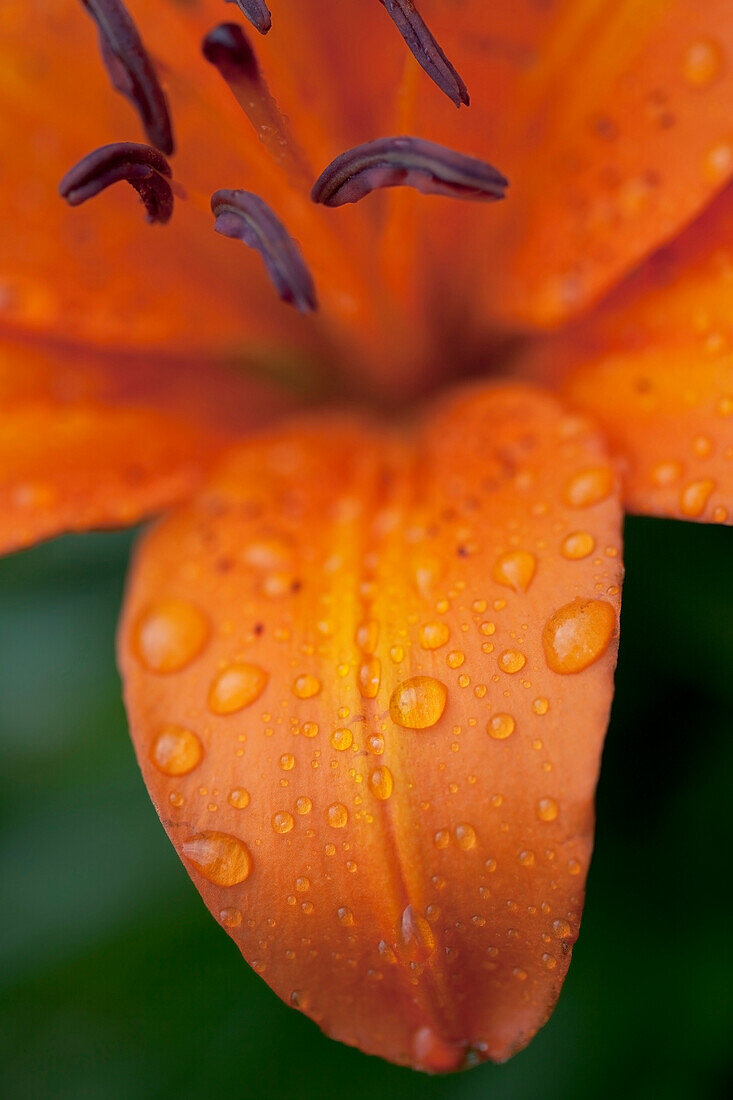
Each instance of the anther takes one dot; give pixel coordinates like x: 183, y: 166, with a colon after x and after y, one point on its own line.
x: 228, y: 49
x: 142, y: 167
x: 131, y: 70
x: 407, y: 162
x: 257, y: 12
x: 245, y: 217
x: 426, y: 50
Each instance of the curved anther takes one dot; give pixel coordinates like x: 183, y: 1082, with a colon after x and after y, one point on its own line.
x: 143, y: 167
x: 245, y: 217
x: 257, y: 12
x: 131, y: 70
x: 407, y: 162
x: 426, y: 50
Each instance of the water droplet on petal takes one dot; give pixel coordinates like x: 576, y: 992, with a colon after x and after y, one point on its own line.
x: 169, y: 634
x: 236, y: 687
x: 176, y: 751
x: 500, y: 726
x: 515, y: 569
x: 303, y: 805
x: 562, y: 929
x: 239, y: 798
x: 282, y: 822
x: 547, y: 809
x: 342, y: 739
x: 540, y: 706
x: 511, y: 661
x: 702, y: 63
x: 694, y: 497
x: 370, y: 675
x: 230, y: 917
x: 576, y: 635
x: 465, y: 837
x: 337, y: 815
x: 309, y: 729
x: 306, y: 686
x: 589, y: 487
x: 367, y: 635
x: 219, y: 857
x: 441, y: 838
x: 345, y: 917
x: 418, y: 703
x: 434, y: 1054
x: 455, y: 659
x: 381, y: 783
x: 578, y: 545
x: 416, y: 934
x: 434, y: 635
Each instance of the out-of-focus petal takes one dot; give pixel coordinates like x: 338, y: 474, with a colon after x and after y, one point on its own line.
x: 621, y: 134
x: 654, y: 366
x: 368, y: 677
x: 88, y: 441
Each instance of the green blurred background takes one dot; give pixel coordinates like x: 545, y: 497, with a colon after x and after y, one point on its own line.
x: 116, y: 983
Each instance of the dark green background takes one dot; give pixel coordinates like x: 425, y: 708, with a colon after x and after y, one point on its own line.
x: 116, y: 983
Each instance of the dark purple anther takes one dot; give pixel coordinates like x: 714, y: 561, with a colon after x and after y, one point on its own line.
x: 227, y: 48
x: 407, y: 162
x: 426, y: 50
x: 130, y: 69
x: 257, y: 12
x: 245, y: 217
x: 142, y: 167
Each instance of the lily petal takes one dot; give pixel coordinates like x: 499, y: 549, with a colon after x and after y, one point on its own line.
x: 88, y: 441
x: 654, y: 366
x: 622, y: 134
x: 368, y: 677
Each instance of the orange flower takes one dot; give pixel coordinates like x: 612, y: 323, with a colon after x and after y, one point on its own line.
x: 368, y: 660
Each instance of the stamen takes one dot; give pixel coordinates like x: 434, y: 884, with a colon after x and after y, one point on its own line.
x: 131, y: 70
x: 257, y: 12
x: 407, y: 162
x: 426, y: 50
x: 141, y: 166
x: 227, y: 47
x: 245, y: 217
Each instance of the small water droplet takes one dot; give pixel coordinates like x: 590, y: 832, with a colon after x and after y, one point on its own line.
x: 367, y: 635
x: 381, y: 783
x: 219, y: 857
x: 345, y: 917
x: 375, y: 741
x: 282, y: 822
x: 230, y: 917
x: 287, y: 761
x: 342, y: 739
x: 434, y: 635
x: 397, y: 654
x: 547, y: 809
x: 418, y: 703
x: 500, y: 726
x: 169, y: 634
x: 309, y: 729
x: 549, y: 960
x: 540, y: 706
x: 515, y: 569
x: 702, y: 63
x: 578, y: 545
x: 455, y: 659
x: 561, y: 929
x: 416, y: 934
x: 238, y: 798
x: 236, y: 687
x: 589, y: 487
x: 306, y: 686
x: 176, y: 751
x: 369, y: 677
x: 578, y: 634
x: 511, y: 661
x: 466, y: 838
x: 303, y: 805
x: 694, y: 497
x: 337, y: 815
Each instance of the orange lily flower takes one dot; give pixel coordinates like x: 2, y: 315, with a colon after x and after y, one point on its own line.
x: 368, y: 658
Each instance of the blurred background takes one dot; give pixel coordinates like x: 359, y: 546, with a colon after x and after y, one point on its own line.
x: 116, y: 983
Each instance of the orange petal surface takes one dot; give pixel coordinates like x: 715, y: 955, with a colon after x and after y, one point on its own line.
x: 368, y: 677
x: 622, y: 133
x: 92, y: 441
x: 654, y: 366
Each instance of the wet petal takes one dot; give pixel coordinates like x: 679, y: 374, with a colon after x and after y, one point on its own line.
x: 90, y: 441
x: 391, y: 812
x: 622, y: 135
x: 654, y: 366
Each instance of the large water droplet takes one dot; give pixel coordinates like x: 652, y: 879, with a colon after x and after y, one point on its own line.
x: 434, y: 635
x: 547, y: 809
x: 500, y: 726
x: 236, y: 687
x: 418, y: 703
x: 416, y: 934
x: 176, y: 751
x: 221, y: 858
x: 337, y: 815
x: 466, y: 838
x: 169, y: 634
x: 578, y: 545
x: 578, y: 634
x: 342, y: 739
